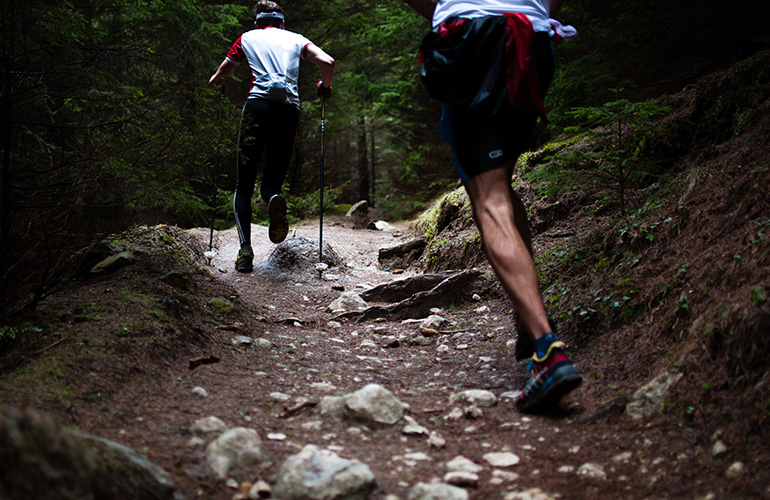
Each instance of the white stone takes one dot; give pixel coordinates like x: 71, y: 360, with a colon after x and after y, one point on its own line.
x: 718, y: 448
x: 279, y: 396
x: 412, y: 428
x: 417, y: 456
x: 208, y: 425
x: 195, y: 441
x: 434, y: 322
x: 436, y: 440
x: 478, y: 397
x: 436, y: 491
x: 736, y: 470
x: 593, y: 471
x: 321, y: 474
x: 263, y: 344
x: 347, y: 301
x: 649, y: 398
x: 375, y: 403
x: 312, y: 425
x: 622, y: 457
x: 461, y: 478
x: 276, y: 436
x: 238, y: 447
x: 501, y: 459
x: 531, y: 494
x: 323, y: 386
x: 473, y: 412
x: 504, y: 475
x: 260, y: 489
x: 566, y: 469
x: 200, y: 391
x: 460, y: 463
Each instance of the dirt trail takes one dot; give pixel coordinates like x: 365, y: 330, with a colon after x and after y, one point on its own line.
x: 590, y: 451
x: 121, y: 372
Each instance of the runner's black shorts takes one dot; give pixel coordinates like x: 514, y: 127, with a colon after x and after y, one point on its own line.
x: 482, y: 142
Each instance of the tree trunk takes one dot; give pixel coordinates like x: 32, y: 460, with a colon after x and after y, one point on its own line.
x: 363, y: 164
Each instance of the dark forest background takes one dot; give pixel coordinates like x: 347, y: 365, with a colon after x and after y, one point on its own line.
x: 107, y: 122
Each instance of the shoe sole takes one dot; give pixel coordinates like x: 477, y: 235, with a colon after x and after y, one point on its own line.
x: 244, y: 269
x: 564, y: 380
x: 279, y: 224
x: 244, y: 266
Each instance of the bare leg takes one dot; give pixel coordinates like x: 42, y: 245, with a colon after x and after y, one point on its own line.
x: 502, y: 221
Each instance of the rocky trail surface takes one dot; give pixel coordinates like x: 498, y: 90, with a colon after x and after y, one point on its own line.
x: 289, y: 393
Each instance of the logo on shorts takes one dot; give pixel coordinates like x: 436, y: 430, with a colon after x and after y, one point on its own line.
x: 497, y: 153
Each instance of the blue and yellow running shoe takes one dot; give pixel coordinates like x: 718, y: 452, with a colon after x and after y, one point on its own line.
x: 552, y: 377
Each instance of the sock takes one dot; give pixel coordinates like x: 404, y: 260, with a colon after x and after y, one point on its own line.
x: 543, y: 343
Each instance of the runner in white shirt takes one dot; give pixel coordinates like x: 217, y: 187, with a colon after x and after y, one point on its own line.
x: 270, y: 115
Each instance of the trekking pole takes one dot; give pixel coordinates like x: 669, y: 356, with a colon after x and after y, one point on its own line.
x: 321, y: 218
x: 210, y: 254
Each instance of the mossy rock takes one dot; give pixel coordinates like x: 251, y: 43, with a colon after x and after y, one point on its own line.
x: 40, y: 460
x: 221, y: 305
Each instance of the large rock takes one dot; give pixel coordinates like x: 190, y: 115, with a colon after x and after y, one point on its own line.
x: 234, y: 449
x: 374, y: 403
x: 315, y: 474
x: 347, y: 301
x: 40, y: 460
x: 113, y: 263
x: 298, y: 256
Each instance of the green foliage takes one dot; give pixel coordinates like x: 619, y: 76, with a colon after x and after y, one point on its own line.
x: 12, y: 332
x: 306, y: 206
x: 106, y: 124
x: 613, y: 158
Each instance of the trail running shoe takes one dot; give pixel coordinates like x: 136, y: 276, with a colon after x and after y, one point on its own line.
x: 551, y: 378
x: 525, y: 347
x: 244, y: 263
x: 279, y: 224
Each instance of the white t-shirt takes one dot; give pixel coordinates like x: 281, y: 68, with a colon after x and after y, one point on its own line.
x: 273, y: 55
x: 536, y: 10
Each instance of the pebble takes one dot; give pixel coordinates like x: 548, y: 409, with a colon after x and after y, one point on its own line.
x: 462, y: 478
x: 501, y: 459
x: 504, y: 475
x: 736, y: 470
x: 260, y: 489
x: 412, y: 428
x: 455, y: 414
x: 718, y: 448
x: 530, y: 494
x: 417, y: 456
x: 323, y: 386
x: 622, y: 457
x: 593, y: 471
x: 200, y: 391
x: 460, y: 463
x: 436, y: 440
x: 279, y: 396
